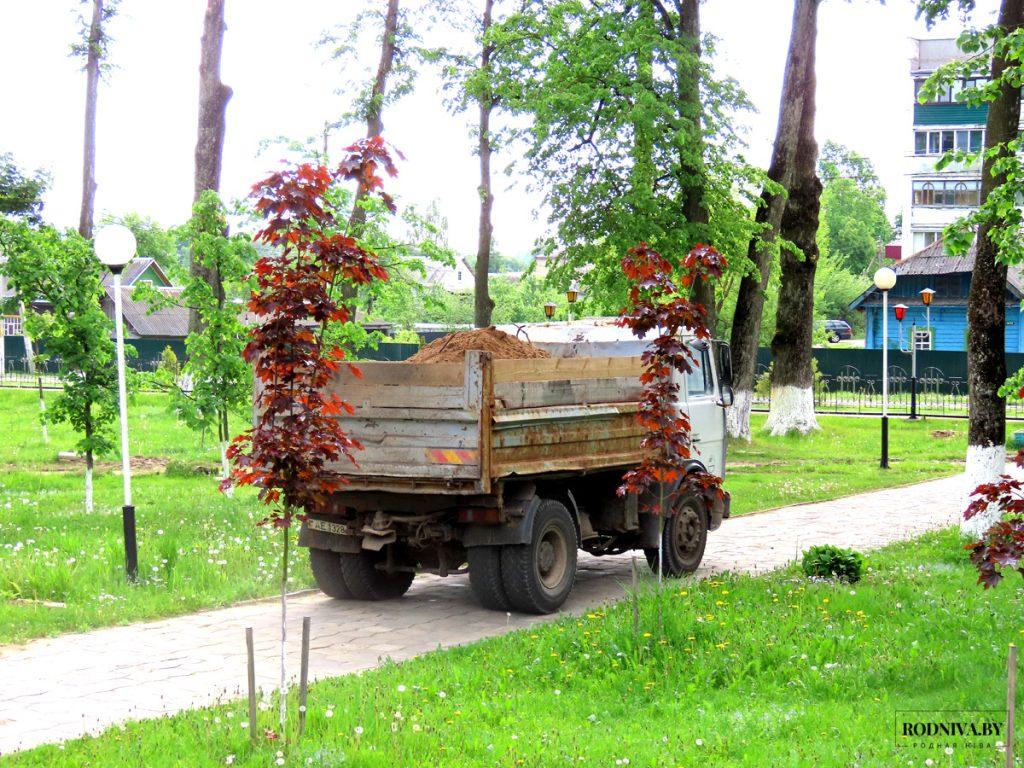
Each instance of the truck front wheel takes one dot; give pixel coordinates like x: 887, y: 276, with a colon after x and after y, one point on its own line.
x: 683, y: 539
x: 539, y: 575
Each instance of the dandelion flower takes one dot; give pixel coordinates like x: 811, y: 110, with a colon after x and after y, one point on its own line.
x: 441, y: 694
x: 699, y: 742
x: 401, y: 689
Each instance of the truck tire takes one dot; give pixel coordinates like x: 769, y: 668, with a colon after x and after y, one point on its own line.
x: 327, y: 572
x: 538, y: 576
x: 485, y: 578
x: 684, y: 538
x: 367, y: 582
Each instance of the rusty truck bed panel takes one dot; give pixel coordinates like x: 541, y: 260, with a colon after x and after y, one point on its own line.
x: 456, y: 428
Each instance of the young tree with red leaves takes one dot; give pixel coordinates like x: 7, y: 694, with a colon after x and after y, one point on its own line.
x: 657, y: 303
x: 289, y: 451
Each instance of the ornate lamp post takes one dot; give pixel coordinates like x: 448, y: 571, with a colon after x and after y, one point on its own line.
x: 900, y: 310
x: 571, y: 296
x: 926, y: 298
x: 885, y: 279
x: 115, y: 247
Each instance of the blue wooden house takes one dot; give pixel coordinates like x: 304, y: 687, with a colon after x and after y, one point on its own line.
x: 950, y: 278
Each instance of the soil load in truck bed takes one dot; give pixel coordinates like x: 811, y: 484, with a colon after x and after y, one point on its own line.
x: 452, y: 348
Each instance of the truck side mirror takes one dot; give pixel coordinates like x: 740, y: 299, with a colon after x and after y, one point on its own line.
x: 727, y: 396
x: 724, y: 364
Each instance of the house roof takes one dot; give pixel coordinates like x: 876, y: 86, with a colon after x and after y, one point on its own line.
x: 135, y: 269
x: 933, y: 260
x: 170, y: 321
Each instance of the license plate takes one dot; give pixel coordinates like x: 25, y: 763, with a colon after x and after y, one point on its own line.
x: 327, y: 526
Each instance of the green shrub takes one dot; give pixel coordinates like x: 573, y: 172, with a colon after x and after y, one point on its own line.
x: 169, y: 362
x: 829, y: 562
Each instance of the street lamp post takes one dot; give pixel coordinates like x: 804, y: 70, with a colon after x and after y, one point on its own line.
x: 926, y: 298
x: 571, y: 295
x: 885, y: 279
x: 115, y: 247
x: 900, y: 310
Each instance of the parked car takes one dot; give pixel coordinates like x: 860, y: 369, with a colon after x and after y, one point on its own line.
x: 838, y: 330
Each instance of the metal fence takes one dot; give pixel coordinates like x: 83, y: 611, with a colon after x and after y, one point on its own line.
x: 15, y: 373
x: 851, y: 392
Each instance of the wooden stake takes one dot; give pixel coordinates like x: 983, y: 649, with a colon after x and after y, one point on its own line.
x: 1011, y: 703
x: 303, y: 675
x: 252, y: 683
x: 636, y: 604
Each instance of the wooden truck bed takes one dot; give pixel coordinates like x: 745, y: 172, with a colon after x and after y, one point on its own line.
x: 455, y: 428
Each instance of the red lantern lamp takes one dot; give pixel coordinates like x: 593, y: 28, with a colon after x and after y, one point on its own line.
x: 901, y: 311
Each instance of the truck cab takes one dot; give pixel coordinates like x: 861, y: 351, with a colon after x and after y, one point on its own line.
x: 505, y: 468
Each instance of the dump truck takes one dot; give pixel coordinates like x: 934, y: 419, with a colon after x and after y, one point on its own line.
x: 505, y: 468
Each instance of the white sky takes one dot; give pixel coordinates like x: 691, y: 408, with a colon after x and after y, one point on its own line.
x: 284, y: 85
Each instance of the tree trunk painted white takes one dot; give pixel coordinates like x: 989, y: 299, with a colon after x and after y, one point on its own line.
x: 985, y: 463
x: 737, y: 416
x: 88, y: 490
x: 225, y: 468
x: 792, y: 410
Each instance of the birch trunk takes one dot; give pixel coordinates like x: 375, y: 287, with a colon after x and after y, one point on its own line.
x: 746, y: 324
x: 986, y: 302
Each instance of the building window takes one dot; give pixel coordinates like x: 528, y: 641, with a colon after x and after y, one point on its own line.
x: 12, y: 325
x: 952, y: 194
x: 924, y: 239
x: 950, y: 94
x: 938, y: 142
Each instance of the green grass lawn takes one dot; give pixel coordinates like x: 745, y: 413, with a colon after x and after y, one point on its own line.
x: 61, y: 570
x: 776, y: 671
x: 840, y: 459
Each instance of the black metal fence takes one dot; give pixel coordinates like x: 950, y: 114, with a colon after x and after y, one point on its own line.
x: 851, y: 392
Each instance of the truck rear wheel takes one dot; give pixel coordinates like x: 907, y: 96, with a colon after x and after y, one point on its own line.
x: 326, y: 566
x: 485, y: 578
x: 683, y: 539
x: 538, y: 576
x: 367, y: 582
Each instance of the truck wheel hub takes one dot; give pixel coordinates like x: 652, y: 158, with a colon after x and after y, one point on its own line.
x: 687, y: 529
x: 551, y: 558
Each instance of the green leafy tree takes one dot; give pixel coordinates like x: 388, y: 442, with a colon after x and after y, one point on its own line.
x: 630, y: 137
x: 21, y: 194
x: 61, y: 270
x: 216, y: 379
x: 853, y: 223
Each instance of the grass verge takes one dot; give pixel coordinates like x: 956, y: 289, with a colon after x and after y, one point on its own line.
x: 778, y: 671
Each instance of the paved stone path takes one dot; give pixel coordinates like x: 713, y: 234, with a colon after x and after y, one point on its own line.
x: 61, y: 688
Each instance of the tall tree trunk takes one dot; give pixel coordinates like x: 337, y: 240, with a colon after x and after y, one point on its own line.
x: 692, y: 176
x: 746, y: 323
x: 375, y: 111
x: 374, y: 123
x: 986, y: 303
x: 482, y: 302
x: 792, y: 401
x: 92, y: 82
x: 213, y: 104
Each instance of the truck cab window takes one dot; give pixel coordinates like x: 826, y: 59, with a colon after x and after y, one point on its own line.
x: 698, y: 381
